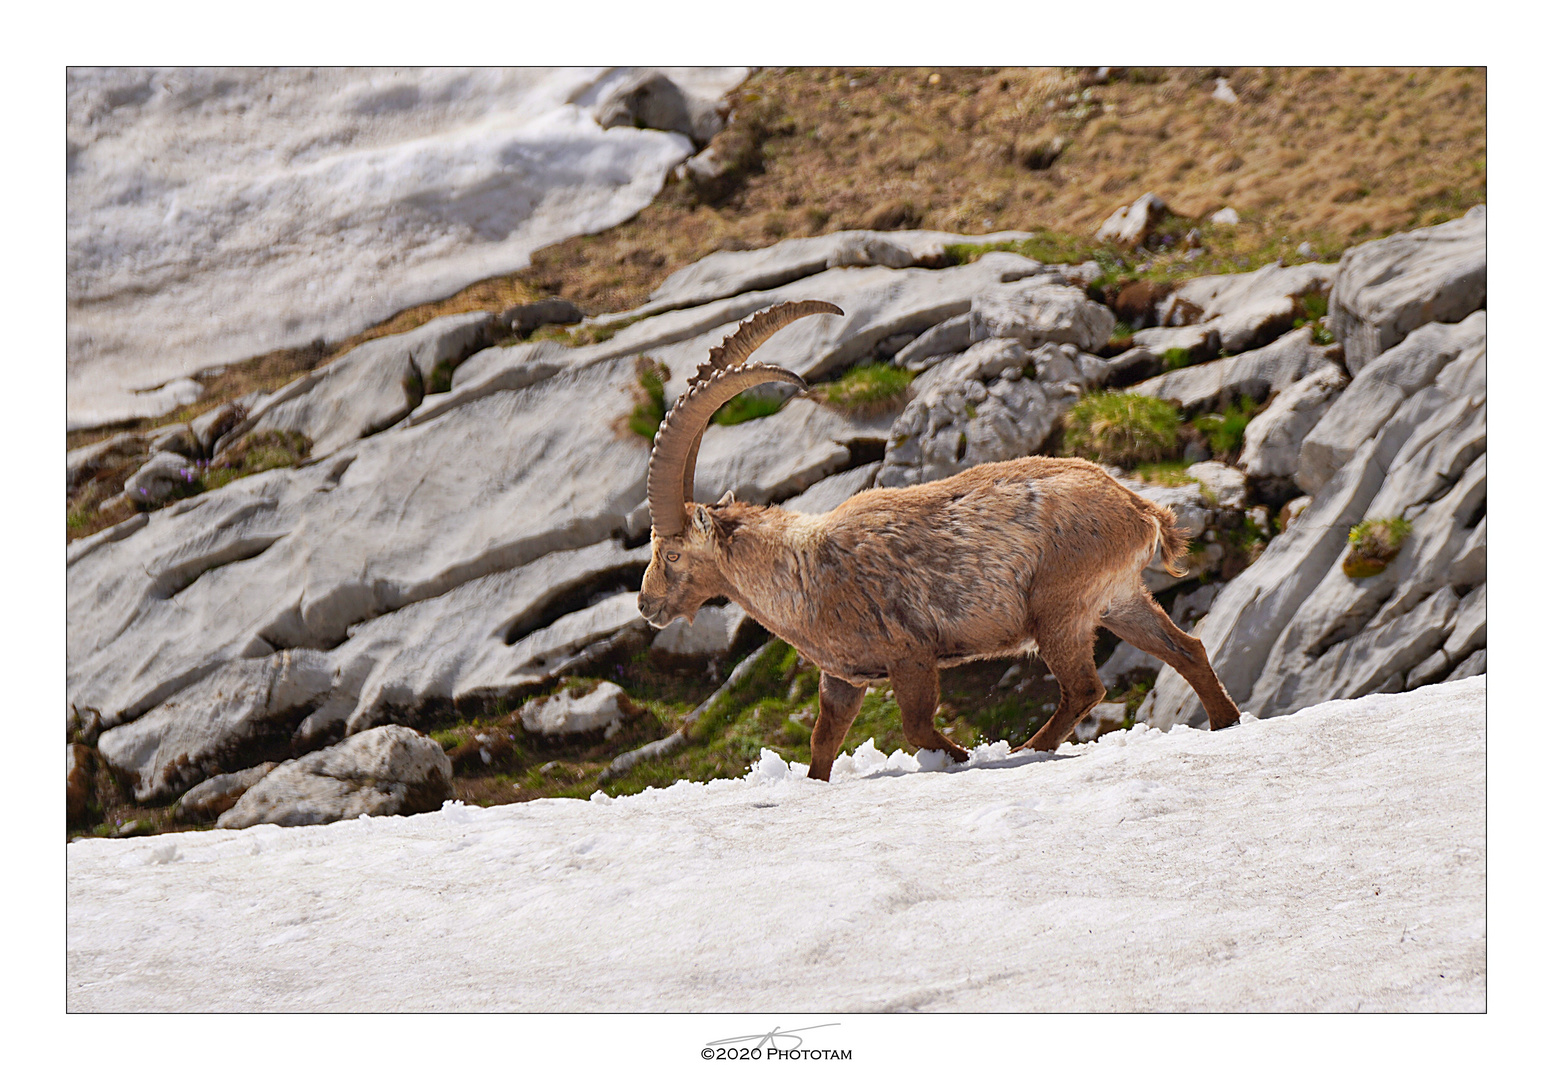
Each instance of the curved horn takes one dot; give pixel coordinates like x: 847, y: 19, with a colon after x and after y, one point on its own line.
x: 737, y: 347
x: 672, y: 467
x: 753, y: 332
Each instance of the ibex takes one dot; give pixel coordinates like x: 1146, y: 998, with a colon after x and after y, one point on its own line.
x: 894, y: 584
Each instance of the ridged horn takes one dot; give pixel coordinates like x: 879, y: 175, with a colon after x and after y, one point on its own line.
x: 738, y: 346
x: 672, y: 468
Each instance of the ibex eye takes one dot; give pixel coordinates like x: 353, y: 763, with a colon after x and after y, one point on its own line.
x: 672, y: 556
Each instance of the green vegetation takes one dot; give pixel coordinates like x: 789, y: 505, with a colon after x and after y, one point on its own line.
x: 256, y: 452
x: 1175, y: 359
x: 866, y: 387
x: 1122, y: 429
x: 1373, y: 543
x: 747, y: 406
x: 1166, y: 473
x: 1122, y: 331
x: 650, y: 406
x: 1227, y: 430
x: 1313, y: 308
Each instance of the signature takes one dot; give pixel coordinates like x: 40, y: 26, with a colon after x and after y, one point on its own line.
x: 772, y: 1036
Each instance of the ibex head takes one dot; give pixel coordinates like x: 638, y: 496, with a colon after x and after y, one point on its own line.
x: 684, y: 572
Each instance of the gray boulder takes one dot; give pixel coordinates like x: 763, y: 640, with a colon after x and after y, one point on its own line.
x: 1224, y: 485
x: 111, y: 453
x: 1247, y: 309
x: 1274, y: 436
x: 980, y: 407
x: 157, y: 480
x: 210, y: 799
x: 1379, y: 390
x: 1035, y: 312
x: 1219, y: 384
x: 1129, y: 226
x: 370, y: 388
x: 1387, y: 288
x: 933, y: 345
x: 600, y: 712
x: 1198, y: 342
x: 1294, y: 629
x: 711, y: 636
x: 387, y: 770
x: 652, y: 100
x: 526, y: 318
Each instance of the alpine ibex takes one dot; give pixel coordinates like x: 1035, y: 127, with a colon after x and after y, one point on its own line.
x: 897, y: 583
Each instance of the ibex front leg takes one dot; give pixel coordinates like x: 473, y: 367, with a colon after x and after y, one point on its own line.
x: 839, y: 702
x: 916, y: 692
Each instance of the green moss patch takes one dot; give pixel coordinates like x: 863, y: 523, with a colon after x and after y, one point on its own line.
x: 1373, y: 544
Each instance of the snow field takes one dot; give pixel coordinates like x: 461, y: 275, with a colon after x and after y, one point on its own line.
x: 1333, y: 859
x: 215, y: 215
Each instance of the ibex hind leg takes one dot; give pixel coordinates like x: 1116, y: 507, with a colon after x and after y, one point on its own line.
x: 839, y: 703
x: 1068, y: 647
x: 916, y: 692
x: 1140, y: 621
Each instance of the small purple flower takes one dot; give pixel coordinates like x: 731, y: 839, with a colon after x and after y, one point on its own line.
x: 142, y: 491
x: 187, y: 474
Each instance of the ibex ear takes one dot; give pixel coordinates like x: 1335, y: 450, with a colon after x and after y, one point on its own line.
x: 727, y: 499
x: 702, y: 521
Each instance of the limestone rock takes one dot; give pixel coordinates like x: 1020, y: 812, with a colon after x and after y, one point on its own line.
x: 526, y: 318
x: 711, y: 636
x: 1224, y: 485
x: 1035, y: 312
x: 211, y: 798
x: 158, y: 479
x: 1274, y: 436
x: 387, y: 770
x: 773, y: 457
x: 1219, y: 384
x: 1248, y: 309
x: 210, y: 426
x: 1387, y: 288
x: 373, y: 386
x: 176, y: 439
x: 1198, y: 342
x: 1226, y: 216
x: 652, y: 100
x: 1128, y: 664
x: 834, y: 490
x: 933, y: 345
x: 1130, y: 225
x: 295, y: 558
x: 1379, y: 390
x: 1293, y: 629
x: 240, y: 714
x: 112, y: 453
x: 980, y: 407
x: 598, y: 712
x: 723, y: 274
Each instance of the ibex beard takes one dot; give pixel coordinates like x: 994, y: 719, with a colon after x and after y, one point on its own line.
x: 894, y: 584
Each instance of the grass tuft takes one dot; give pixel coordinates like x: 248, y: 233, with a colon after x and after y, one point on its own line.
x: 1227, y: 430
x: 1122, y: 429
x: 1373, y: 544
x: 647, y: 415
x: 867, y: 387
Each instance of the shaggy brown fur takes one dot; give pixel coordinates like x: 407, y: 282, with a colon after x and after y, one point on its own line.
x: 896, y: 583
